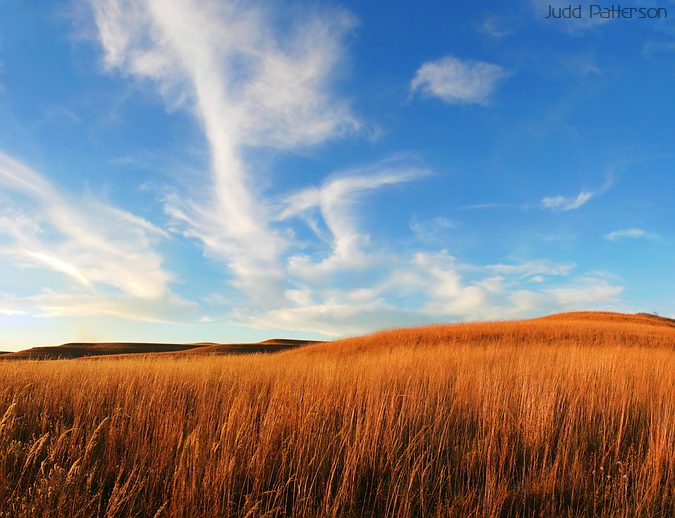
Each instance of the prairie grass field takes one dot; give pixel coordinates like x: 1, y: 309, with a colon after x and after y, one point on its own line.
x: 571, y: 415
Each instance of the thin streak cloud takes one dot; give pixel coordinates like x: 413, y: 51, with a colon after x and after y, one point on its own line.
x: 629, y: 233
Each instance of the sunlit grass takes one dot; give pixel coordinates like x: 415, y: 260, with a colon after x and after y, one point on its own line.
x: 561, y: 417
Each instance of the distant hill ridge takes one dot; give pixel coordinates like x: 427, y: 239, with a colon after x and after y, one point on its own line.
x: 593, y: 327
x: 87, y: 349
x: 636, y: 318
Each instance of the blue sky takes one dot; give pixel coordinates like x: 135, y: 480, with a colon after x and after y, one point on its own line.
x: 184, y: 170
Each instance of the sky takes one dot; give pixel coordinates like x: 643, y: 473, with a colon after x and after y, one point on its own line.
x: 184, y: 170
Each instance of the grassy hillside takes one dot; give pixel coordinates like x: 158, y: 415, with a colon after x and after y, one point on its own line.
x: 574, y: 329
x: 571, y: 415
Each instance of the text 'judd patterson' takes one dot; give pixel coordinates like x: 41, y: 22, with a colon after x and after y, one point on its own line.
x: 600, y: 12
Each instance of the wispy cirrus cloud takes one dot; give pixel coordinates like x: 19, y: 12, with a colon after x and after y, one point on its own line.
x: 167, y: 309
x: 629, y: 233
x: 552, y: 203
x: 95, y: 259
x: 565, y: 203
x: 85, y: 239
x: 335, y: 201
x: 456, y: 81
x: 253, y: 78
x: 9, y: 306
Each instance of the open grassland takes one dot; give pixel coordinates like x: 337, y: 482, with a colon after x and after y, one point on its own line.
x: 568, y: 416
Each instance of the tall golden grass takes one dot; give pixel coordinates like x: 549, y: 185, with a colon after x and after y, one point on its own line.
x: 556, y: 417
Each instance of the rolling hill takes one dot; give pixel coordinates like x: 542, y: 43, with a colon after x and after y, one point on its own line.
x: 573, y: 329
x: 588, y: 327
x: 105, y: 349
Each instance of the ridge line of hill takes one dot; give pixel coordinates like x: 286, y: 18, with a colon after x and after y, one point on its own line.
x: 73, y: 350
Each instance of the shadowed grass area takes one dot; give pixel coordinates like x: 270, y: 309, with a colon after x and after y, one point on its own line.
x: 561, y: 416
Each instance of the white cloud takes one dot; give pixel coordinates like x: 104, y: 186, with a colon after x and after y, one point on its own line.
x: 585, y: 292
x: 495, y: 28
x: 532, y: 268
x: 334, y: 319
x: 522, y: 302
x: 430, y: 287
x: 11, y: 312
x: 457, y: 81
x: 9, y: 307
x: 83, y: 238
x: 250, y: 82
x: 564, y: 203
x: 59, y: 265
x: 335, y: 201
x: 553, y: 203
x: 629, y: 233
x: 166, y: 309
x: 398, y: 290
x: 447, y: 294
